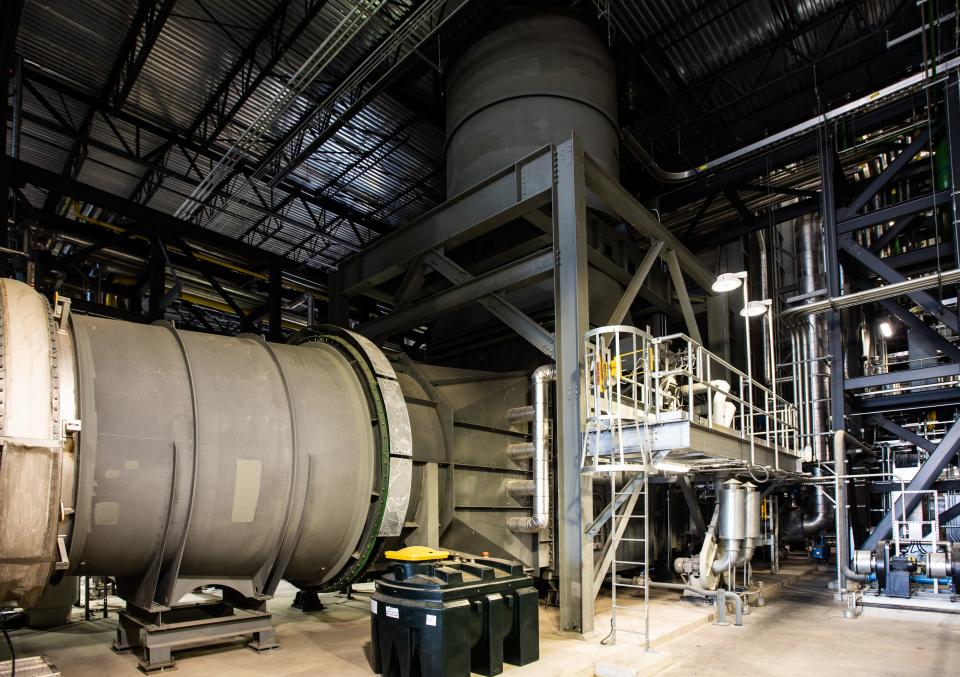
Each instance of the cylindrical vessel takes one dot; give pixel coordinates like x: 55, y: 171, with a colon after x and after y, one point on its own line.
x: 732, y: 513
x: 752, y: 511
x: 532, y: 80
x: 210, y: 460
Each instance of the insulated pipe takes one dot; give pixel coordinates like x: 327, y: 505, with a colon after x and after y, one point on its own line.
x: 540, y: 380
x: 893, y: 91
x: 810, y: 252
x: 731, y: 556
x: 521, y: 488
x: 844, y: 572
x: 881, y: 293
x: 521, y: 451
x: 520, y: 415
x: 818, y: 521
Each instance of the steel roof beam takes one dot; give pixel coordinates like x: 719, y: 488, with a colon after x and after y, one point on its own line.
x: 38, y: 176
x: 145, y: 28
x: 188, y: 148
x: 240, y: 82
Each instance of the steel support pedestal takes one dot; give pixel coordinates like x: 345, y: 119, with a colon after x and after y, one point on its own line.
x: 211, y: 621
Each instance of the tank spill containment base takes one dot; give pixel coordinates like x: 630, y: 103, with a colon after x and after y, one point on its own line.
x: 453, y: 618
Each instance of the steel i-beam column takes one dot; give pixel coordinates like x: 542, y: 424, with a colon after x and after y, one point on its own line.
x: 275, y: 303
x: 574, y: 552
x: 834, y: 323
x: 953, y: 135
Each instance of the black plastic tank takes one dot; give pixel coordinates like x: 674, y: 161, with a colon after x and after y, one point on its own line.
x: 451, y: 618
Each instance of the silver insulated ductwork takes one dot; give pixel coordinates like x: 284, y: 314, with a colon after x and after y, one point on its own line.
x: 813, y: 337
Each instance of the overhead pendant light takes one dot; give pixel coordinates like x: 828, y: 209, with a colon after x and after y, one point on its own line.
x: 727, y: 282
x: 755, y: 309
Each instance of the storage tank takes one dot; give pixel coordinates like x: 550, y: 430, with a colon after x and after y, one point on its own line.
x: 531, y: 80
x: 536, y: 76
x: 174, y: 460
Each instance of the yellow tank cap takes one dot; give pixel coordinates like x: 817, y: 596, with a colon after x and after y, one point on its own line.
x: 416, y: 553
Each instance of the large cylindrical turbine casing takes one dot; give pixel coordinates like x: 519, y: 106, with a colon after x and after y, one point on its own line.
x: 532, y: 80
x: 732, y: 513
x: 210, y: 460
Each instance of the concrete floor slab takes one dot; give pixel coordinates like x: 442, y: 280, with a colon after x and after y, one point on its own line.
x: 801, y: 629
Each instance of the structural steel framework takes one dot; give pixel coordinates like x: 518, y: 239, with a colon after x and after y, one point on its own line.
x: 558, y: 177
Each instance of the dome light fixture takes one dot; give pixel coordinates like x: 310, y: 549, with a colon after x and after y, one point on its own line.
x: 756, y: 308
x: 728, y: 282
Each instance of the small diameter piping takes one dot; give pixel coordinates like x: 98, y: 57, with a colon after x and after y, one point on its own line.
x: 906, y: 85
x: 713, y: 594
x: 844, y: 572
x: 539, y: 488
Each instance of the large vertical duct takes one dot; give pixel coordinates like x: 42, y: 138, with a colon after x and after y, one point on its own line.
x: 530, y: 81
x: 814, y: 333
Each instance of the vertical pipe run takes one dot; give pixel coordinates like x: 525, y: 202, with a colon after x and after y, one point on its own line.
x: 814, y: 331
x: 844, y: 572
x: 541, y: 379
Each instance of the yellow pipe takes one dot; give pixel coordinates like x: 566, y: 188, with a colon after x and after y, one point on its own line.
x: 200, y: 255
x: 217, y: 305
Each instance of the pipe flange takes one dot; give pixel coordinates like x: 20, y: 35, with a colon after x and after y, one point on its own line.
x: 387, y: 513
x: 30, y: 445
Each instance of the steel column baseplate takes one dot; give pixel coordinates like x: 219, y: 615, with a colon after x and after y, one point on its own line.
x: 191, y: 625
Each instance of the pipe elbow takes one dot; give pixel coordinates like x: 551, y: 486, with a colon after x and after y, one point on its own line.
x: 544, y: 374
x: 527, y: 525
x: 730, y: 556
x: 815, y: 524
x: 747, y: 553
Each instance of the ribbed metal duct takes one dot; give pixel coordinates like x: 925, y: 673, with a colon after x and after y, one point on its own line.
x: 175, y: 460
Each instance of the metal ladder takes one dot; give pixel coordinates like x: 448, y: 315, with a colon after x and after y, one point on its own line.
x: 618, y: 389
x: 632, y: 492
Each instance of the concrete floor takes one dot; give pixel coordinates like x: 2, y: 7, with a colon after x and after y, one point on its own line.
x: 798, y: 631
x: 802, y: 632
